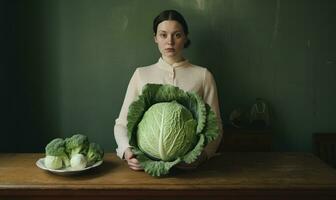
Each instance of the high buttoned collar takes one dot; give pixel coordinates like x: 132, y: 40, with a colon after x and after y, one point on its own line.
x: 163, y: 64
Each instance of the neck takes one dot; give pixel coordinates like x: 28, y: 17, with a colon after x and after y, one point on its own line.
x: 172, y: 60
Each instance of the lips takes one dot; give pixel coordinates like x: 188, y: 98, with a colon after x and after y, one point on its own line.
x: 170, y: 49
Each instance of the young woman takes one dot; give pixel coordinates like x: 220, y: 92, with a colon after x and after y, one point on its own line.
x: 171, y: 35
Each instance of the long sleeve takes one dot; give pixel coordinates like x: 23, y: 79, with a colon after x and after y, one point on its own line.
x: 120, y: 128
x: 210, y: 96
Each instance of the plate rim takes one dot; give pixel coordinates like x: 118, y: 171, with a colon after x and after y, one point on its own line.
x: 40, y: 164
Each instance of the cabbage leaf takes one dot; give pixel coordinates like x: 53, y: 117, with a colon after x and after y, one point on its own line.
x: 167, y: 125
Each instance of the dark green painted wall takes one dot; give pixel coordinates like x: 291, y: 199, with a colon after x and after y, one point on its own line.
x: 65, y: 64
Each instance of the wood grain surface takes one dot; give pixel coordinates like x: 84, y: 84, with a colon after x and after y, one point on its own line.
x: 231, y: 175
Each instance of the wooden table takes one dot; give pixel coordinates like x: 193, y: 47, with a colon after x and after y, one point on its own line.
x: 227, y: 176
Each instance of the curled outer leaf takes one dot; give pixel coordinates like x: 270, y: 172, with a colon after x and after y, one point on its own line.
x: 154, y: 167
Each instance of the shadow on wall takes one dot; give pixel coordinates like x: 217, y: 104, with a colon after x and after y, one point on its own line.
x: 28, y: 81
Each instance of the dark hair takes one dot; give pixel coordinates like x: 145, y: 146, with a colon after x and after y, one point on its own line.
x: 172, y: 15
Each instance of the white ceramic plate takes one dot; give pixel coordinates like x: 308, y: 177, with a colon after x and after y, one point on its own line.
x: 65, y: 171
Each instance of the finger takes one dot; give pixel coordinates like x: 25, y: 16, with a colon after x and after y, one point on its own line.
x: 135, y: 166
x: 128, y: 156
x: 134, y: 161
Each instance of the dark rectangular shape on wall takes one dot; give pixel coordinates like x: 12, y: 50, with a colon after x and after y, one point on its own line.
x: 246, y: 140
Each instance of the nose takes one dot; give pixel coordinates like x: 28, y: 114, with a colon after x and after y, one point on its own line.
x: 171, y: 40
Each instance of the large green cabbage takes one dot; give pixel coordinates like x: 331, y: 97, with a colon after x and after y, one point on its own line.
x: 167, y: 126
x: 167, y: 131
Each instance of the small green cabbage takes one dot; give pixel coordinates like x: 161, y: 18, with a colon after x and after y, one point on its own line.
x: 77, y: 144
x: 53, y: 162
x: 56, y: 148
x: 78, y: 161
x: 94, y: 154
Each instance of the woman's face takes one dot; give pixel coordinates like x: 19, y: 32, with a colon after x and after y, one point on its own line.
x: 170, y: 38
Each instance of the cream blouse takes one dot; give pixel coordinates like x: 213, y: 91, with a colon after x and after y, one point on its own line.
x: 184, y: 75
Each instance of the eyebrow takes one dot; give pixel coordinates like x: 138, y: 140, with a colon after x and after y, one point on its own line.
x: 172, y: 32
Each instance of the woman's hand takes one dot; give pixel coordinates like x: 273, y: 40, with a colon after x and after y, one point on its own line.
x: 132, y: 162
x: 201, y: 158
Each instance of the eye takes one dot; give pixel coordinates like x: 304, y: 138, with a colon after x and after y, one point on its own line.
x: 163, y: 35
x: 178, y: 35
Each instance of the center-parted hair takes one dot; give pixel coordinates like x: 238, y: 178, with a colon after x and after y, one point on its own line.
x: 175, y: 16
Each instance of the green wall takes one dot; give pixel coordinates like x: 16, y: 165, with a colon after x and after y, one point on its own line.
x: 65, y: 64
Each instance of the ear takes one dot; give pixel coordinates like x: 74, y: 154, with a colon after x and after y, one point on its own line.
x: 155, y: 40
